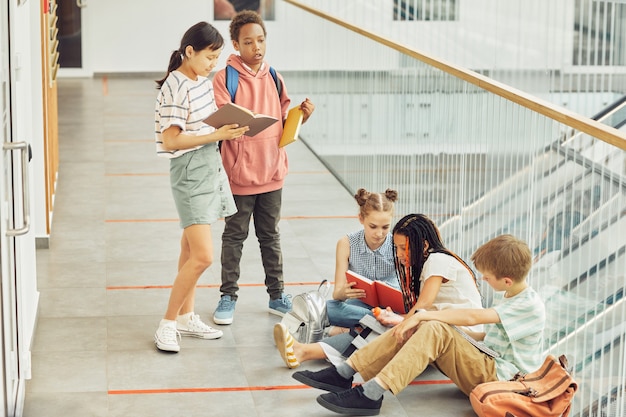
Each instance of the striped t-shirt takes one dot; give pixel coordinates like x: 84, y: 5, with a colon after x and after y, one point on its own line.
x: 184, y: 103
x: 518, y: 338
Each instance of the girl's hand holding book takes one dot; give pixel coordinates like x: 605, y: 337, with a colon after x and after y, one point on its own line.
x: 228, y: 132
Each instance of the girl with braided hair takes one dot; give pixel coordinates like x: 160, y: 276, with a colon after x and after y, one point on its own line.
x: 431, y: 278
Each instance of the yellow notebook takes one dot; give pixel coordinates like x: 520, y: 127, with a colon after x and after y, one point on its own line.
x: 292, y: 126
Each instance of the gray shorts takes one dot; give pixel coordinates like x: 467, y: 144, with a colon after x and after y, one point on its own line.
x: 200, y: 187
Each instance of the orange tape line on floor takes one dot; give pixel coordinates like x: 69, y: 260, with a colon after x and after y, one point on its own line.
x: 217, y: 389
x: 234, y: 389
x: 142, y: 174
x: 432, y: 382
x: 175, y: 220
x: 140, y: 220
x: 157, y: 287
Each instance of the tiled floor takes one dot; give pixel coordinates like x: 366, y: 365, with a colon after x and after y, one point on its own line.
x: 113, y: 253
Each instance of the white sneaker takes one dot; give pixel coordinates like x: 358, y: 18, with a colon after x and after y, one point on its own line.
x: 196, y: 328
x: 166, y: 337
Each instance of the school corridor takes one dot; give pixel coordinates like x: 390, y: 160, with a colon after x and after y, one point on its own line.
x: 105, y: 280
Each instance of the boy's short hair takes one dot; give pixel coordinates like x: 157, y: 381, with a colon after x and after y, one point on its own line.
x: 243, y: 18
x: 504, y: 256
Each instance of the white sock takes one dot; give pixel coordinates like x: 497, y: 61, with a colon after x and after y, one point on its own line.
x: 165, y: 322
x: 184, y: 319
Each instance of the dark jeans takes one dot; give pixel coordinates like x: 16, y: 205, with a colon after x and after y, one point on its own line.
x: 265, y: 210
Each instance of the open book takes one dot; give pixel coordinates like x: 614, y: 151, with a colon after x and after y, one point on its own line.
x: 477, y: 344
x: 231, y: 113
x: 292, y: 126
x: 377, y: 293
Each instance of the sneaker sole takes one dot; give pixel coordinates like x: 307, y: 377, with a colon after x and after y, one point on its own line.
x: 350, y: 411
x: 222, y: 321
x: 317, y: 384
x: 207, y: 336
x: 167, y: 348
x: 288, y: 357
x: 276, y: 312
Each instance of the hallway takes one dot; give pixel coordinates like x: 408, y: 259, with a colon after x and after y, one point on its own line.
x: 104, y: 281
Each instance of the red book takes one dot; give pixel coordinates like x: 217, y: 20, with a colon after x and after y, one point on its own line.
x: 377, y: 293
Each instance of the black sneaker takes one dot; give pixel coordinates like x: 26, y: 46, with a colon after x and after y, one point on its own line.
x: 352, y: 402
x: 327, y: 379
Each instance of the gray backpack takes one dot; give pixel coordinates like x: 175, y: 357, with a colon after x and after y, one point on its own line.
x: 308, y: 317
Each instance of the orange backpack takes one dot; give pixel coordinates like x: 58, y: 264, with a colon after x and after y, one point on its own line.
x: 547, y: 392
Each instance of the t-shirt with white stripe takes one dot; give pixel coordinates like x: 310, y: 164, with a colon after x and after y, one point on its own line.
x: 184, y: 103
x: 518, y: 338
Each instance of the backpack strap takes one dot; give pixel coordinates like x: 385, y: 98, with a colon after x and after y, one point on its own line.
x: 232, y: 81
x: 279, y: 85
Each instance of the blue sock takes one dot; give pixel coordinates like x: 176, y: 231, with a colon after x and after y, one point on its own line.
x: 345, y: 371
x: 372, y: 390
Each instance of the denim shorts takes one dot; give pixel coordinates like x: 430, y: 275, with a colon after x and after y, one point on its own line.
x: 200, y: 187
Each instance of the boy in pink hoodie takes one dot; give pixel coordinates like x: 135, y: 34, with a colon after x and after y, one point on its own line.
x: 256, y: 166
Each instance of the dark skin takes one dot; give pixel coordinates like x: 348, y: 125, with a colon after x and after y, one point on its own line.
x: 458, y: 317
x: 251, y: 47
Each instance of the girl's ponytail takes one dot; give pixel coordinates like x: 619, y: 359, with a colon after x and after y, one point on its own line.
x: 176, y: 59
x: 200, y: 36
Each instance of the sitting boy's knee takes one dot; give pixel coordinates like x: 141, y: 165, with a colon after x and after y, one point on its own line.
x: 433, y: 326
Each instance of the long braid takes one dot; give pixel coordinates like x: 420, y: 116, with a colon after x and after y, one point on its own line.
x: 419, y: 228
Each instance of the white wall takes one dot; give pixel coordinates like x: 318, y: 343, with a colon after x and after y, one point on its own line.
x: 138, y: 36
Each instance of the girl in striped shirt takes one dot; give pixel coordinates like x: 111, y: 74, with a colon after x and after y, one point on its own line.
x: 197, y: 178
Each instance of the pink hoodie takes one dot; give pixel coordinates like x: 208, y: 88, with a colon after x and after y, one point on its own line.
x: 256, y: 164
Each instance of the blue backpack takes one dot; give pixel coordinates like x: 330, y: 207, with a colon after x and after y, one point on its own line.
x: 232, y: 81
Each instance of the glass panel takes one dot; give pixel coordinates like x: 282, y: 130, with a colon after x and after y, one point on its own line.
x: 481, y: 165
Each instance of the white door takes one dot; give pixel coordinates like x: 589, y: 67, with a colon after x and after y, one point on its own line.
x: 14, y: 222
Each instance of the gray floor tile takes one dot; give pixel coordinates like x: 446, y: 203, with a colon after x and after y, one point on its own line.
x: 70, y: 404
x: 72, y: 302
x: 83, y: 371
x: 195, y: 404
x: 70, y: 334
x: 105, y: 281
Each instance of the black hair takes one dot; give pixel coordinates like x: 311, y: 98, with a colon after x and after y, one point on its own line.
x: 243, y: 18
x: 200, y: 36
x: 419, y: 228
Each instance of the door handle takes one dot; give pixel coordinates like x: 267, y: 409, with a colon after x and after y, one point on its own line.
x: 81, y: 3
x: 24, y: 148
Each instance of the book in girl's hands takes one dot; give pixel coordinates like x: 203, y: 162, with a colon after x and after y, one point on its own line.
x: 231, y: 113
x: 377, y: 293
x: 292, y: 126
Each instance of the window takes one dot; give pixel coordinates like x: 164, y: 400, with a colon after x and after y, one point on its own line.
x: 599, y: 33
x: 425, y: 10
